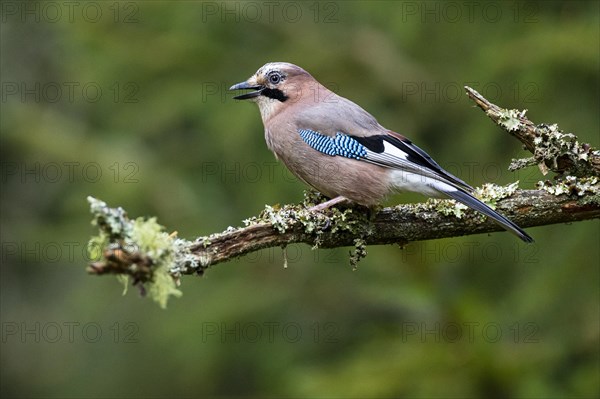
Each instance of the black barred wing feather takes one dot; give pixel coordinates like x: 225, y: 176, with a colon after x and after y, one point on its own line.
x: 384, y: 150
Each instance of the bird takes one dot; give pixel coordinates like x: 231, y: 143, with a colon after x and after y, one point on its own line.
x: 335, y: 146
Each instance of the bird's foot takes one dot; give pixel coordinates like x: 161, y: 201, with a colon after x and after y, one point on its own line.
x: 327, y: 204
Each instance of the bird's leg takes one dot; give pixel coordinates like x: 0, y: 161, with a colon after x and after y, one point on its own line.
x: 327, y: 204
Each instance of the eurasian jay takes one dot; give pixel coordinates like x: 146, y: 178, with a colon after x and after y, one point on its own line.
x: 335, y: 146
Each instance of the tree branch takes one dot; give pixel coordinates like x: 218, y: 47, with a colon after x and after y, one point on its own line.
x: 552, y: 149
x: 155, y: 260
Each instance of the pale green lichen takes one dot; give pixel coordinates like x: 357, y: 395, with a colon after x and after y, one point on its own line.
x: 510, y: 119
x: 144, y: 237
x: 449, y: 207
x: 251, y: 221
x: 521, y: 163
x: 280, y: 219
x: 312, y: 222
x: 571, y: 185
x: 109, y: 220
x: 360, y: 252
x: 333, y: 219
x: 155, y: 243
x: 97, y: 243
x: 316, y: 223
x: 488, y: 193
x: 492, y: 193
x: 124, y: 280
x: 552, y: 145
x: 285, y: 256
x: 184, y: 259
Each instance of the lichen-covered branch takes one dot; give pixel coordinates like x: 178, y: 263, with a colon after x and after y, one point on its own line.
x: 551, y: 148
x: 155, y: 260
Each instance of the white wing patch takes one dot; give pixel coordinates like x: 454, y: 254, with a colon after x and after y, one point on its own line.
x: 417, y: 183
x: 391, y: 156
x: 392, y: 150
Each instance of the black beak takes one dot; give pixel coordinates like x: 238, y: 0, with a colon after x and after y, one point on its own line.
x: 245, y: 86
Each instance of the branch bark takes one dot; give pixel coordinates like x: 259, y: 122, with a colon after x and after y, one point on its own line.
x: 403, y: 224
x: 574, y: 196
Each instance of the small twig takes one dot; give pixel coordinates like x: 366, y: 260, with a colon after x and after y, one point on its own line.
x: 552, y: 149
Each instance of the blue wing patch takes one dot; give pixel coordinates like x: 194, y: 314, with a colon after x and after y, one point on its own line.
x: 342, y: 145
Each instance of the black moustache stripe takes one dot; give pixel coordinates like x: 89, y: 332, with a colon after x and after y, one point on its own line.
x: 274, y: 94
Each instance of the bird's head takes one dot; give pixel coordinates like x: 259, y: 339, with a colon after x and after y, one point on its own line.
x: 274, y: 85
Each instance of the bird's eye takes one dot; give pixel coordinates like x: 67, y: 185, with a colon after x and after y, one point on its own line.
x: 274, y: 78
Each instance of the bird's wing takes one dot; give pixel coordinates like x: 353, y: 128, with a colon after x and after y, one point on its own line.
x: 339, y: 127
x: 387, y: 149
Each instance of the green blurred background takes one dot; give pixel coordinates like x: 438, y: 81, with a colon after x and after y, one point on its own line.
x: 127, y: 102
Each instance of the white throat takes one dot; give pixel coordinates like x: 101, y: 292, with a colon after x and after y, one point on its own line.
x: 267, y: 106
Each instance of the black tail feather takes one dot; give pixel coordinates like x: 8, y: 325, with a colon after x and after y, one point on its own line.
x: 479, y: 206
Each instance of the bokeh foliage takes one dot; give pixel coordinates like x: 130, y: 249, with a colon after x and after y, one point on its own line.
x: 164, y: 138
